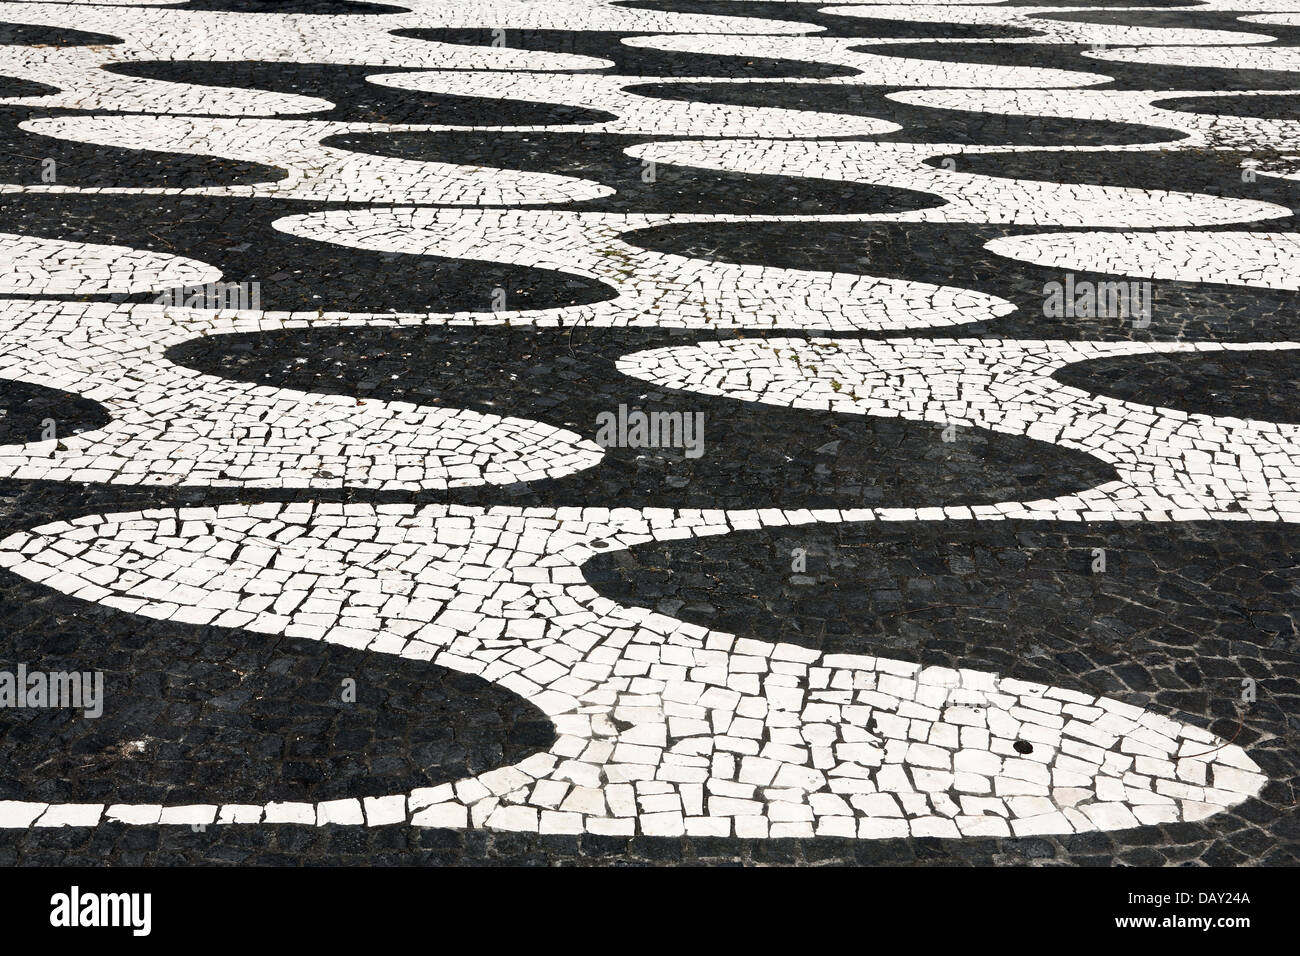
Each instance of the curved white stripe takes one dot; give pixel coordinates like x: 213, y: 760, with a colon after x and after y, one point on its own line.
x: 1038, y: 19
x: 1266, y: 260
x: 884, y: 70
x: 171, y: 425
x: 737, y: 736
x: 638, y: 113
x: 1171, y: 464
x: 32, y: 266
x: 1129, y: 106
x: 313, y: 171
x: 654, y: 288
x: 968, y: 197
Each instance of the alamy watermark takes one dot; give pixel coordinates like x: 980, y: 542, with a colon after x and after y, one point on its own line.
x: 637, y: 429
x: 75, y: 909
x: 73, y: 690
x: 213, y: 295
x: 1102, y: 300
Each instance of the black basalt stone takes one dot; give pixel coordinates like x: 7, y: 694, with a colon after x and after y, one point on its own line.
x: 216, y: 715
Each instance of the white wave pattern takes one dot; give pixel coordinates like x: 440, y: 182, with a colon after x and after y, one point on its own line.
x: 664, y: 728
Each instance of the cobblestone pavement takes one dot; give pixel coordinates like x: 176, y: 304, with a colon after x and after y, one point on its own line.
x: 650, y: 432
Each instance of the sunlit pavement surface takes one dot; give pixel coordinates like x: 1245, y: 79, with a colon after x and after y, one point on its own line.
x: 656, y: 431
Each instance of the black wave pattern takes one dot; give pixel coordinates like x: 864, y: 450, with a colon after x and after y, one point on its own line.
x: 832, y: 25
x: 1221, y: 20
x: 1182, y: 618
x: 920, y: 124
x: 1282, y: 106
x: 31, y: 412
x: 293, y: 273
x: 1216, y: 173
x: 1074, y: 56
x: 675, y: 188
x: 211, y: 714
x: 32, y: 34
x: 23, y: 156
x: 1178, y: 614
x: 13, y: 86
x: 953, y: 254
x: 358, y: 101
x: 1101, y: 3
x: 752, y: 455
x: 632, y: 60
x: 1263, y: 385
x: 320, y: 8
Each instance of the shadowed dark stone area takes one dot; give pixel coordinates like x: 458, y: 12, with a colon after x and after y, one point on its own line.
x: 832, y: 24
x: 25, y: 406
x: 235, y: 235
x: 920, y: 124
x: 224, y: 715
x: 753, y: 455
x: 1074, y: 56
x: 1262, y: 385
x: 22, y: 154
x: 357, y: 101
x: 1217, y: 173
x: 1019, y: 597
x: 31, y: 34
x: 1181, y: 615
x: 630, y: 60
x: 1227, y: 21
x: 1226, y: 174
x: 953, y: 254
x: 313, y: 7
x: 1225, y: 839
x: 1102, y: 3
x: 600, y: 157
x: 16, y: 86
x: 1283, y: 106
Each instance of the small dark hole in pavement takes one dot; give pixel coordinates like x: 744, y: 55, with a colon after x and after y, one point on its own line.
x: 1023, y: 747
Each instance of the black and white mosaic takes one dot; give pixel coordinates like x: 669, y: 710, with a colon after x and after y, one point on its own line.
x: 649, y: 431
